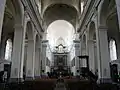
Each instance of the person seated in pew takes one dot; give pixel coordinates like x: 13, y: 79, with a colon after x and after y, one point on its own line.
x: 1, y: 76
x: 5, y: 76
x: 78, y: 74
x: 49, y: 74
x: 44, y: 75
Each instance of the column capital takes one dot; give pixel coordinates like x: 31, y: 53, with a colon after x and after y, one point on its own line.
x: 92, y: 41
x: 44, y: 45
x: 102, y: 28
x: 26, y: 14
x: 18, y: 26
x: 30, y: 40
x: 44, y: 41
x: 76, y: 41
x: 77, y: 46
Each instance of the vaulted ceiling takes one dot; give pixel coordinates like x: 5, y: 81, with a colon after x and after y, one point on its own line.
x: 68, y: 10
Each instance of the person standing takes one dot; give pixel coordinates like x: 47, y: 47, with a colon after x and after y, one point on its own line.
x: 78, y: 74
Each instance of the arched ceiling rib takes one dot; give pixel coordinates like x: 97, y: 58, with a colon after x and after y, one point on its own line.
x: 60, y: 12
x: 47, y: 3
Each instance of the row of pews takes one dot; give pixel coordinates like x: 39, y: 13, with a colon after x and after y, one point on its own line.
x: 50, y: 84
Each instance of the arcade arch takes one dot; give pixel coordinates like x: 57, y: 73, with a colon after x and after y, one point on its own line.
x: 92, y: 48
x: 63, y: 12
x: 12, y: 28
x: 107, y: 29
x: 29, y: 51
x: 109, y: 19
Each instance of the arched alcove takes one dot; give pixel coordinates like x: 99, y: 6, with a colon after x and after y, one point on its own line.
x: 92, y: 48
x: 107, y: 8
x: 29, y: 31
x: 60, y: 29
x: 28, y: 50
x: 60, y: 12
x: 108, y: 17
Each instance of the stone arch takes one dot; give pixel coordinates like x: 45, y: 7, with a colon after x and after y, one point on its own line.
x: 92, y: 31
x: 13, y: 17
x: 105, y: 9
x: 113, y: 33
x: 29, y: 51
x: 50, y: 3
x: 29, y: 30
x: 19, y: 11
x: 14, y: 11
x: 109, y: 18
x: 61, y: 14
x: 92, y: 48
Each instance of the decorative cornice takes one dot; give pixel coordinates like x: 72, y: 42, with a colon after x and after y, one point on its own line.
x: 76, y: 41
x: 88, y: 14
x: 33, y: 14
x: 45, y: 41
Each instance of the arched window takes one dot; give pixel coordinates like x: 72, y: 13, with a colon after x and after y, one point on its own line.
x: 112, y: 46
x: 82, y: 6
x: 8, y: 51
